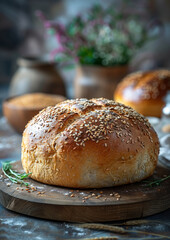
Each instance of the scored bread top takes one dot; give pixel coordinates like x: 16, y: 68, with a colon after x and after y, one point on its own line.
x: 88, y: 120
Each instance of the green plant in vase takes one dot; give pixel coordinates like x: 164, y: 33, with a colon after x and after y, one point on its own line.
x: 101, y: 37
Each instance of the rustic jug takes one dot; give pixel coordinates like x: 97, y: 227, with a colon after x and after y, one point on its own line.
x: 98, y: 81
x: 36, y: 75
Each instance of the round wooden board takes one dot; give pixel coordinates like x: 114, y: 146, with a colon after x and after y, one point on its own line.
x: 93, y: 205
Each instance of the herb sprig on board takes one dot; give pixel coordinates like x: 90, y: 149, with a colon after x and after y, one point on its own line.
x: 14, y: 176
x: 156, y: 182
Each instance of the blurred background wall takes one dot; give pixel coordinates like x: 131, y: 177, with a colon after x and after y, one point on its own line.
x: 22, y: 33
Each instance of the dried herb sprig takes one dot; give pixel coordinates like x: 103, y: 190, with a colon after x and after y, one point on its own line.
x: 156, y: 182
x: 14, y: 176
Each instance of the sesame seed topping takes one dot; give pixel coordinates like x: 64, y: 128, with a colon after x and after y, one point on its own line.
x: 83, y: 120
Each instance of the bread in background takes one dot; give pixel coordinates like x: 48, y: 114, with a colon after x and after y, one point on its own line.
x: 144, y: 91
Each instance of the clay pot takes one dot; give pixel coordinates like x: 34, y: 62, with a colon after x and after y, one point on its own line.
x: 97, y: 81
x: 35, y: 75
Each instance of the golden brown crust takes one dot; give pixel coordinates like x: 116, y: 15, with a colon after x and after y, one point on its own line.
x: 89, y: 143
x: 144, y: 91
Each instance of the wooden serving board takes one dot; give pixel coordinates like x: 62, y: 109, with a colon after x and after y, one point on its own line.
x: 94, y: 205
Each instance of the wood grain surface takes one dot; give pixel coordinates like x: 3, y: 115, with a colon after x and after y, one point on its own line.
x: 92, y: 205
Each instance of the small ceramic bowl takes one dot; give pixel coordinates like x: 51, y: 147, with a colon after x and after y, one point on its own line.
x: 19, y: 116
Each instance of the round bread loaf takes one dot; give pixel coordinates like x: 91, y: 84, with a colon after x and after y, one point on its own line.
x: 89, y: 144
x: 144, y: 91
